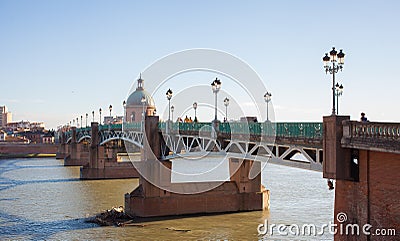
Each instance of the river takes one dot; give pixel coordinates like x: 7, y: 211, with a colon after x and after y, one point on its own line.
x: 40, y: 199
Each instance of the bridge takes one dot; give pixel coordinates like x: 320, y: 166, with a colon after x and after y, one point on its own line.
x: 362, y: 157
x: 267, y: 141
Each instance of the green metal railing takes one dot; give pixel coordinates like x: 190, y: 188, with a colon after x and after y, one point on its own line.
x: 312, y: 130
x: 280, y: 129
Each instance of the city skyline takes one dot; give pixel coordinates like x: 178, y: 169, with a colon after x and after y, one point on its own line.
x: 61, y: 60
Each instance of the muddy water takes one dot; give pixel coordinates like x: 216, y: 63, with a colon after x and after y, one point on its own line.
x: 42, y: 199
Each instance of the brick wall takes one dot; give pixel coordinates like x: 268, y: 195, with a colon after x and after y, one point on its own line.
x: 375, y: 199
x: 21, y: 149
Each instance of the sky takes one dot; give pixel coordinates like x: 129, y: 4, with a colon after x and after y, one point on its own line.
x: 62, y: 59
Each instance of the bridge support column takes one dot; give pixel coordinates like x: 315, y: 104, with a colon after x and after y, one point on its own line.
x: 103, y: 165
x: 76, y: 153
x: 160, y: 197
x: 366, y: 168
x: 62, y: 149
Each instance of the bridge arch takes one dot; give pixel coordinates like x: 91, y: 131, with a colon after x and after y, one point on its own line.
x: 136, y: 143
x: 86, y: 137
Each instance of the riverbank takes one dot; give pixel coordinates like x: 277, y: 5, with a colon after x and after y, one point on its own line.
x: 22, y: 155
x: 17, y: 150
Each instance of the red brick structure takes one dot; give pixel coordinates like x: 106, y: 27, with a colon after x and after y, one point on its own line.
x: 16, y: 149
x: 364, y: 158
x: 241, y: 193
x: 102, y: 161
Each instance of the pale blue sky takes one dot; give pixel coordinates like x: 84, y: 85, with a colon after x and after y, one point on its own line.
x: 62, y: 59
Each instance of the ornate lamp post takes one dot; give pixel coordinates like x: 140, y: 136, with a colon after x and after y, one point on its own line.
x: 77, y: 123
x: 86, y: 119
x: 216, y: 86
x: 195, y: 111
x: 124, y: 114
x: 73, y: 122
x: 81, y: 121
x: 339, y: 92
x: 92, y: 115
x: 100, y: 116
x: 172, y: 113
x: 143, y: 101
x: 169, y: 96
x: 226, y: 103
x: 337, y: 61
x: 267, y: 98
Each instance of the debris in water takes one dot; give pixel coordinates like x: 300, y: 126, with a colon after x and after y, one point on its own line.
x: 179, y: 230
x: 113, y: 217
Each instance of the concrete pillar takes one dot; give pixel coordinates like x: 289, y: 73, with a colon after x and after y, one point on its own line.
x: 62, y: 147
x: 96, y: 152
x: 338, y: 163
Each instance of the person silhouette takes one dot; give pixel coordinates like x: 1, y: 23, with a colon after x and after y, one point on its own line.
x: 363, y: 118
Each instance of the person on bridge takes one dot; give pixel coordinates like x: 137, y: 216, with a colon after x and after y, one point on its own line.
x: 363, y: 118
x: 186, y: 119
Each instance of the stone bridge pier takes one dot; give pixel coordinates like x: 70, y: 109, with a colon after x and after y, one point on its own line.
x: 62, y: 150
x: 364, y: 159
x: 76, y: 153
x: 161, y: 197
x: 102, y: 160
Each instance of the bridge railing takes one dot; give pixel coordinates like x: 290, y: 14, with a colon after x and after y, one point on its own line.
x: 369, y: 130
x: 311, y: 130
x: 372, y: 135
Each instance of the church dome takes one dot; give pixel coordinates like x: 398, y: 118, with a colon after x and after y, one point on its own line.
x: 135, y: 98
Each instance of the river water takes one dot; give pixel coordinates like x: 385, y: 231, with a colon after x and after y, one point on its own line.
x: 40, y: 199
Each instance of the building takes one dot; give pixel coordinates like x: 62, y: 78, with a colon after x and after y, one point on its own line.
x: 18, y: 126
x: 3, y: 135
x: 32, y: 136
x: 5, y: 116
x: 113, y: 120
x: 25, y: 126
x: 48, y: 138
x: 36, y: 126
x: 138, y: 102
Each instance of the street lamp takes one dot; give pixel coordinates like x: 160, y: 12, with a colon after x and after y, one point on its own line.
x: 339, y: 92
x: 195, y: 111
x: 216, y: 86
x: 124, y: 105
x: 172, y: 112
x: 337, y: 61
x: 81, y: 121
x: 93, y: 115
x: 226, y: 103
x: 169, y: 96
x: 77, y: 123
x: 100, y: 116
x: 86, y: 119
x: 143, y: 101
x: 267, y: 98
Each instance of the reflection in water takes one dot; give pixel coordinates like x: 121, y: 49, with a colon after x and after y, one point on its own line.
x: 42, y: 199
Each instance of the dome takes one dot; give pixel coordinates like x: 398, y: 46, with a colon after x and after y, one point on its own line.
x: 136, y: 97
